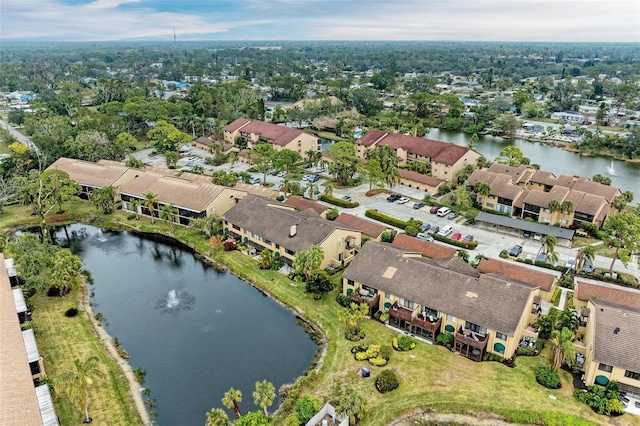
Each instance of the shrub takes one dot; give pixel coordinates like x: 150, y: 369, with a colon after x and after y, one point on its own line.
x: 131, y: 216
x: 280, y: 198
x: 378, y: 361
x: 373, y: 351
x: 343, y: 300
x: 390, y: 220
x: 384, y: 317
x: 445, y: 339
x: 354, y: 336
x: 488, y: 356
x: 504, y: 254
x: 333, y: 214
x: 339, y: 202
x: 395, y: 344
x: 229, y: 245
x: 599, y: 398
x: 387, y: 236
x: 547, y: 377
x: 359, y: 347
x: 361, y: 356
x: 71, y: 312
x: 306, y: 407
x: 386, y: 381
x: 385, y: 352
x: 405, y: 343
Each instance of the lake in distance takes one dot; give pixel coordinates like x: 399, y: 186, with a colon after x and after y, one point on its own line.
x: 222, y: 332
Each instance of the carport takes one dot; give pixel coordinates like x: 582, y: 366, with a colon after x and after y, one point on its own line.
x: 512, y: 226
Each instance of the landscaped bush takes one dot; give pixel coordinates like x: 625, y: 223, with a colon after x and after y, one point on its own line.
x: 339, y: 202
x: 229, y: 245
x: 385, y: 352
x: 389, y: 220
x: 547, y: 377
x: 384, y: 317
x: 361, y: 356
x: 445, y: 339
x: 488, y: 356
x: 131, y: 216
x: 306, y: 407
x: 601, y: 400
x: 386, y: 381
x: 378, y: 361
x: 280, y: 198
x: 404, y: 343
x: 521, y: 351
x: 333, y: 214
x: 372, y: 351
x: 71, y: 312
x: 359, y: 347
x: 343, y: 300
x: 504, y: 254
x: 353, y: 336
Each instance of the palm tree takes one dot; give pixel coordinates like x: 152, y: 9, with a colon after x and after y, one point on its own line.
x: 77, y: 382
x: 548, y: 244
x: 264, y: 395
x: 232, y: 158
x: 104, y: 199
x: 290, y: 186
x: 312, y: 189
x: 134, y: 205
x: 328, y: 189
x: 482, y: 189
x: 563, y: 349
x: 232, y: 399
x: 149, y: 202
x: 217, y: 417
x: 566, y: 207
x: 554, y: 206
x: 352, y: 404
x: 585, y: 254
x: 392, y: 176
x: 167, y: 213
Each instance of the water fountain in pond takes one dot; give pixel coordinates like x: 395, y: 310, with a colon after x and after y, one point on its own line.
x: 101, y: 236
x: 611, y: 170
x: 175, y: 301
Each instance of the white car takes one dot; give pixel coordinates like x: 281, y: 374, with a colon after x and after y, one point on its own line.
x: 571, y: 263
x: 403, y: 200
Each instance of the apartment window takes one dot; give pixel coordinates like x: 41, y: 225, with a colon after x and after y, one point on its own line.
x: 256, y: 237
x: 350, y: 282
x: 564, y: 221
x: 545, y: 220
x: 547, y: 211
x: 277, y: 246
x: 408, y: 304
x: 388, y: 296
x: 605, y: 367
x: 289, y: 252
x: 632, y: 375
x: 451, y: 318
x: 236, y: 227
x: 475, y: 328
x: 501, y: 336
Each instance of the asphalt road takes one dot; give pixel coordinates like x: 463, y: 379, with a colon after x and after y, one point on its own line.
x: 19, y: 136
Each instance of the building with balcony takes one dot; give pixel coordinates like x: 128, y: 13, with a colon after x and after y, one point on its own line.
x: 444, y: 158
x: 280, y: 137
x: 370, y: 229
x: 546, y: 281
x: 483, y: 312
x: 264, y: 224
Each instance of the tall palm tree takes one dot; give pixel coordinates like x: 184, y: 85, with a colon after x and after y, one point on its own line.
x: 482, y: 189
x: 150, y: 201
x: 134, y: 205
x: 264, y: 395
x: 312, y: 189
x: 585, y: 254
x: 563, y: 349
x: 290, y: 186
x: 217, y: 417
x: 232, y: 399
x: 554, y: 206
x: 392, y: 176
x: 328, y: 189
x: 548, y: 244
x: 232, y: 158
x: 78, y: 382
x: 167, y: 213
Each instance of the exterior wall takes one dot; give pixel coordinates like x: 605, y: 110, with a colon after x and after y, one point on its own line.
x: 335, y: 245
x: 448, y: 173
x: 231, y: 136
x: 418, y: 185
x: 301, y: 144
x: 224, y: 201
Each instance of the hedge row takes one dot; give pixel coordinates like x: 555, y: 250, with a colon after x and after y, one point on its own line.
x: 471, y: 246
x: 560, y: 268
x: 389, y: 220
x: 339, y: 202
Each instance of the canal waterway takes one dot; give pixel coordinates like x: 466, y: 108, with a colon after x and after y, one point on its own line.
x: 626, y: 175
x: 196, y: 331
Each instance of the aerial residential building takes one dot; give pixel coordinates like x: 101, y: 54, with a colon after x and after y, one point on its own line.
x: 445, y: 158
x: 546, y: 281
x: 370, y: 229
x: 482, y: 312
x: 572, y: 117
x: 280, y: 137
x: 264, y: 224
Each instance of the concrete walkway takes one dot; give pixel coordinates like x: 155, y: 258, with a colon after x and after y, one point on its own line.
x: 563, y: 297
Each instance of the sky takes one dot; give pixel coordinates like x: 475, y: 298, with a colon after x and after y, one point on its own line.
x: 267, y: 20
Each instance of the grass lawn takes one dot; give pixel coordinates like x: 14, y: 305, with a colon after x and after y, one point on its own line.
x: 63, y: 339
x: 432, y: 377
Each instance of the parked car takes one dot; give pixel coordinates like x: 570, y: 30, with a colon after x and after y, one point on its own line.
x: 434, y: 229
x: 542, y: 257
x: 347, y: 198
x: 403, y: 200
x: 434, y: 209
x: 452, y: 215
x: 456, y: 236
x: 515, y: 251
x: 425, y: 227
x: 255, y: 180
x: 467, y: 239
x: 393, y: 197
x: 313, y: 178
x: 526, y: 234
x: 272, y: 172
x: 443, y: 211
x: 419, y: 205
x: 424, y: 237
x: 537, y: 237
x: 571, y: 263
x: 446, y: 230
x: 282, y: 174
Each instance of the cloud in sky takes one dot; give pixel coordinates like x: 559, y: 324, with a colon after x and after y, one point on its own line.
x: 499, y: 20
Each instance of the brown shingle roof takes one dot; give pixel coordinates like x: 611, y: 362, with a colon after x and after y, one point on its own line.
x: 367, y: 227
x: 584, y: 184
x: 521, y: 273
x: 543, y: 177
x: 17, y: 393
x: 99, y: 175
x: 419, y: 177
x: 236, y: 124
x: 516, y: 173
x: 608, y: 293
x: 591, y: 204
x: 440, y: 152
x: 616, y: 339
x: 204, y: 140
x: 429, y: 249
x: 273, y: 222
x: 301, y: 204
x: 488, y: 301
x: 280, y: 135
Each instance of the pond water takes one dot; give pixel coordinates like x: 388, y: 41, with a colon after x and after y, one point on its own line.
x: 625, y: 176
x: 195, y: 330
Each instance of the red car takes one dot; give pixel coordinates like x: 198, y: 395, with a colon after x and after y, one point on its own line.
x: 434, y: 209
x: 467, y: 239
x: 456, y: 236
